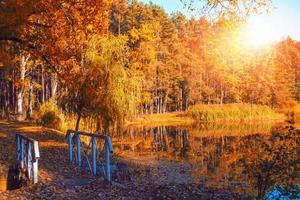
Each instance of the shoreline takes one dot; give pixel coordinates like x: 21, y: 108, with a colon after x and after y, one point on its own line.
x: 59, y: 180
x: 168, y: 118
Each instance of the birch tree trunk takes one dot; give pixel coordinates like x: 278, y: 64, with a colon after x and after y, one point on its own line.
x: 54, y: 84
x: 29, y: 111
x: 20, y: 94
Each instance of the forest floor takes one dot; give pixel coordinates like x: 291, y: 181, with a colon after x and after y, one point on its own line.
x: 59, y: 180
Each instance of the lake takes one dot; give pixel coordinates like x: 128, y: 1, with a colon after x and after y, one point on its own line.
x: 260, y: 159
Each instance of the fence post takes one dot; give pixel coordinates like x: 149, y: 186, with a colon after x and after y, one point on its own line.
x: 78, y: 149
x: 29, y: 159
x: 94, y: 164
x: 108, y: 149
x: 70, y: 146
x: 36, y: 156
x: 18, y: 146
x: 22, y: 152
x: 27, y: 156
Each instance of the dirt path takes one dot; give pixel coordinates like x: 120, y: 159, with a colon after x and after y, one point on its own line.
x: 59, y: 180
x: 53, y: 165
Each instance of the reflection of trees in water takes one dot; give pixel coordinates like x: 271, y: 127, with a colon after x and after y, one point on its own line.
x: 260, y: 160
x: 171, y: 140
x: 263, y: 161
x: 180, y: 143
x: 160, y: 140
x: 271, y: 160
x: 229, y: 129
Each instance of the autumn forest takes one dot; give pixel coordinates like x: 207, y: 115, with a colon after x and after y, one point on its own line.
x: 114, y: 60
x: 155, y: 104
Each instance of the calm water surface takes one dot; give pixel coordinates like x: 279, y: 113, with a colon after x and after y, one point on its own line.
x: 256, y: 159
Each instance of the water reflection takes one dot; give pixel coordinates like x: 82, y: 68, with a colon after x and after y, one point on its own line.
x: 247, y: 158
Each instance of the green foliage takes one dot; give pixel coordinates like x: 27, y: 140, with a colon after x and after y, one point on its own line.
x: 233, y: 112
x: 112, y: 92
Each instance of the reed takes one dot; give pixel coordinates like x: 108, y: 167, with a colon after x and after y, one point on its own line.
x: 233, y: 113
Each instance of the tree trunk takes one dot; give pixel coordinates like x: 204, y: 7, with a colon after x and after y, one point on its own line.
x: 43, y: 85
x: 5, y: 99
x: 29, y: 111
x: 157, y: 105
x: 160, y: 104
x: 13, y: 92
x: 222, y: 97
x: 119, y: 24
x: 186, y: 102
x: 23, y: 63
x: 78, y: 120
x: 142, y: 109
x: 181, y: 99
x: 165, y: 101
x: 54, y: 84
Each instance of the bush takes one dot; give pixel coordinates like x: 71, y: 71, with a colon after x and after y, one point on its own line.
x: 51, y: 119
x: 50, y: 115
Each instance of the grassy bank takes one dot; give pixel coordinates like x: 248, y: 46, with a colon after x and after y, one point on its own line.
x: 233, y: 113
x: 50, y: 115
x: 212, y: 113
x: 174, y: 118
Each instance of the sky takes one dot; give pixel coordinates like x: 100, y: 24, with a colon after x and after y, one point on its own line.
x: 283, y: 21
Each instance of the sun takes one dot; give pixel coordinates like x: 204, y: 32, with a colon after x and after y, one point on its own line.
x: 259, y: 32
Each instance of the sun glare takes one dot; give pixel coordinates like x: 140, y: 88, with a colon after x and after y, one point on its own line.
x: 259, y: 32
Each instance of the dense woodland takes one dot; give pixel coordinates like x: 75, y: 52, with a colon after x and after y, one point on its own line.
x: 112, y: 59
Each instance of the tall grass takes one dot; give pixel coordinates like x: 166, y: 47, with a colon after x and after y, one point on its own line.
x: 233, y: 113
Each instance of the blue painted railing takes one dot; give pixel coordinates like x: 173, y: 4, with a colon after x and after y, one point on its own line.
x: 76, y: 147
x: 27, y: 156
